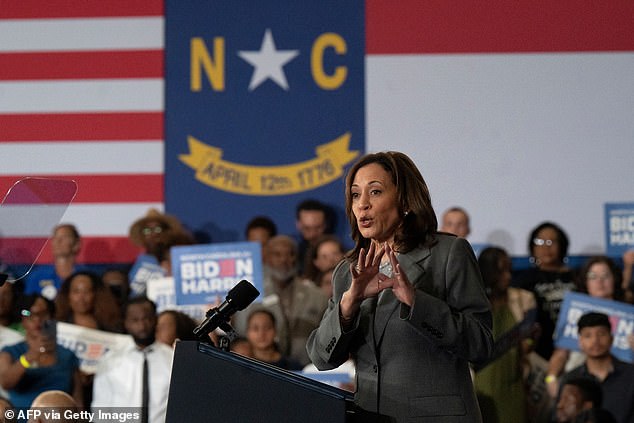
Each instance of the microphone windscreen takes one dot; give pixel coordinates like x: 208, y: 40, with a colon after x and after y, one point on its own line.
x: 242, y: 294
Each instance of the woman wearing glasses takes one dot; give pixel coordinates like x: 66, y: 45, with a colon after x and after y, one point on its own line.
x: 549, y: 279
x: 38, y: 364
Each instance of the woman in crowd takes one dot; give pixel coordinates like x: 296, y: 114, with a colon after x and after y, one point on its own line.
x: 85, y: 301
x: 38, y: 364
x: 500, y: 384
x: 322, y: 256
x: 173, y: 325
x: 262, y: 334
x: 549, y: 279
x: 408, y: 303
x: 600, y: 278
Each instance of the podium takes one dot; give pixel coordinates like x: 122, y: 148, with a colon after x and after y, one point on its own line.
x: 209, y: 384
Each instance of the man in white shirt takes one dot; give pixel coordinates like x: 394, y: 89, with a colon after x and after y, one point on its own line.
x: 119, y: 378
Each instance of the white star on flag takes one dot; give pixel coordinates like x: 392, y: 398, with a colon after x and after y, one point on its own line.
x: 268, y: 62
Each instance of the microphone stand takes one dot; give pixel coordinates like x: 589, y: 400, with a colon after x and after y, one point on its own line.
x: 224, y: 341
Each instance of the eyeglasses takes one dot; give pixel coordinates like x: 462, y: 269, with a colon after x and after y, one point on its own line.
x: 546, y: 242
x: 152, y: 230
x: 591, y: 276
x: 42, y: 315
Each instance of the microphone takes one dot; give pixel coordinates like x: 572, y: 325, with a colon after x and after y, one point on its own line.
x: 237, y: 299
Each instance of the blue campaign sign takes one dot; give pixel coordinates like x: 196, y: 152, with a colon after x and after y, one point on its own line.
x: 203, y: 274
x: 621, y: 319
x: 619, y: 228
x: 145, y: 267
x: 264, y: 109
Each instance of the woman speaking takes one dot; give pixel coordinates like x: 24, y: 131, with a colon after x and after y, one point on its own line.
x: 408, y: 303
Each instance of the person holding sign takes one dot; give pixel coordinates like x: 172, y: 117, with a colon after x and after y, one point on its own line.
x: 408, y: 305
x: 600, y: 278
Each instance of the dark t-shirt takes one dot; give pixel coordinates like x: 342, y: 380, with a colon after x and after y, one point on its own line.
x: 39, y: 379
x: 549, y: 289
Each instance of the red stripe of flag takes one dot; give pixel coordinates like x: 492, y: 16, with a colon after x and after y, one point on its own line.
x: 82, y: 65
x: 111, y: 188
x: 29, y: 9
x: 474, y: 26
x: 113, y: 249
x: 81, y: 126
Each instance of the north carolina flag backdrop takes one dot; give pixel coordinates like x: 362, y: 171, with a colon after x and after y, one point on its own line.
x: 520, y: 112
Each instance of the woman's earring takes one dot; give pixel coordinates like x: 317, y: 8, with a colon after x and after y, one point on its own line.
x: 405, y: 214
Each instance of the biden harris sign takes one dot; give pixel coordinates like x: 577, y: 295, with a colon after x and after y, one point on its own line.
x: 264, y: 108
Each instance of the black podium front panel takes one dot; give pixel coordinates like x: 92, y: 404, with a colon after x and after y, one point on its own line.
x: 211, y: 385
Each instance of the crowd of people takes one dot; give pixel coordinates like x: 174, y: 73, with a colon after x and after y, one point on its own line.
x: 323, y: 307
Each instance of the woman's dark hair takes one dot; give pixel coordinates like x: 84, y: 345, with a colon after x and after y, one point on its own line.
x: 582, y: 284
x: 419, y: 223
x: 105, y: 308
x: 562, y: 239
x: 185, y: 325
x: 15, y: 290
x: 489, y: 263
x: 311, y: 272
x: 262, y: 311
x: 25, y: 302
x: 263, y: 222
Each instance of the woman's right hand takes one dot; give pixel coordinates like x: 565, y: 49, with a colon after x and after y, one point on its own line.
x: 365, y: 281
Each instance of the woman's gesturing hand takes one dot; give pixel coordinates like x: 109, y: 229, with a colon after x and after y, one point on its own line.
x: 403, y: 290
x: 365, y: 280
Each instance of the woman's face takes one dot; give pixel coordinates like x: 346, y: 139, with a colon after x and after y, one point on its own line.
x: 375, y: 203
x: 261, y: 331
x: 328, y: 255
x: 166, y: 329
x: 81, y: 295
x: 38, y: 313
x: 546, y: 248
x: 600, y: 281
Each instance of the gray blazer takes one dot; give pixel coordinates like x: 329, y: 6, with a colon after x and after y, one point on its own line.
x: 413, y: 364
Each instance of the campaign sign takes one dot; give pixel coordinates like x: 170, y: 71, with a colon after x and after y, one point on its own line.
x: 163, y: 293
x: 145, y: 267
x: 619, y: 228
x: 90, y: 345
x: 203, y: 274
x: 621, y: 318
x: 264, y: 108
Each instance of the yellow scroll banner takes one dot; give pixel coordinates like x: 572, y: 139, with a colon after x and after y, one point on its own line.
x: 268, y: 180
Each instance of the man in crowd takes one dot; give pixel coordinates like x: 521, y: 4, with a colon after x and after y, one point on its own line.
x: 614, y: 376
x: 455, y: 220
x: 312, y: 219
x: 123, y: 380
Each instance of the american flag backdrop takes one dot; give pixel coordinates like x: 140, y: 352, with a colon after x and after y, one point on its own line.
x: 520, y: 111
x: 81, y: 97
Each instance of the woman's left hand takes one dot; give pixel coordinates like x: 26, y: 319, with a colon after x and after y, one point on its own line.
x: 402, y: 288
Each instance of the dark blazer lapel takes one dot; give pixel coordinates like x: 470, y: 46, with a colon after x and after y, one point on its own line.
x: 387, y: 303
